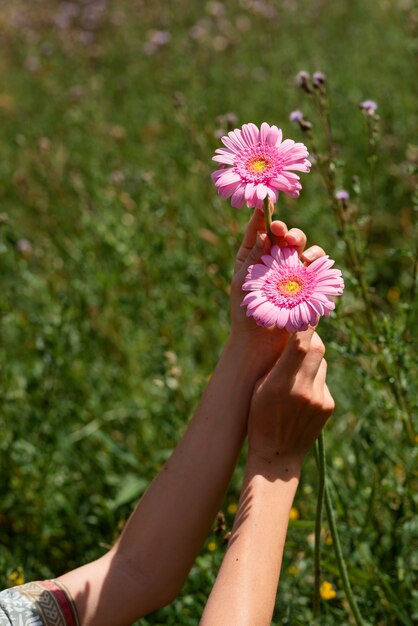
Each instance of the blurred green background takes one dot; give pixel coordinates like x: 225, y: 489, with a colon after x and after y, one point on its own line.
x: 116, y: 256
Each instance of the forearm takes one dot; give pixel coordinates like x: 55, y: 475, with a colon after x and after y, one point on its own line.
x: 149, y: 563
x: 245, y: 589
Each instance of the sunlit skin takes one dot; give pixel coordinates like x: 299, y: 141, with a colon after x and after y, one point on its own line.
x: 281, y: 291
x: 129, y: 581
x: 269, y: 341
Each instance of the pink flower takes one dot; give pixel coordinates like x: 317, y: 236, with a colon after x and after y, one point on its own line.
x: 369, y: 106
x: 260, y: 165
x: 288, y: 294
x: 296, y: 116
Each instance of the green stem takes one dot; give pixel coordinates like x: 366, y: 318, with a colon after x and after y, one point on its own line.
x: 337, y: 547
x: 352, y: 256
x: 412, y: 292
x: 370, y: 507
x: 267, y: 215
x: 321, y: 101
x: 372, y: 177
x: 320, y: 456
x: 353, y: 259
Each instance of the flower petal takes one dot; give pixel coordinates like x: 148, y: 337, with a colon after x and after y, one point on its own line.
x: 279, y: 139
x: 250, y: 134
x: 290, y: 256
x: 282, y: 318
x: 264, y: 132
x: 228, y: 177
x: 261, y: 191
x: 273, y: 194
x: 265, y: 314
x: 265, y: 163
x: 238, y: 197
x: 273, y: 135
x: 228, y: 159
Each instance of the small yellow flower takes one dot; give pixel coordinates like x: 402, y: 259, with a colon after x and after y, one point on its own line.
x: 232, y: 508
x: 17, y: 577
x: 294, y: 514
x: 292, y: 570
x: 328, y: 539
x: 212, y: 546
x: 327, y: 590
x: 393, y: 294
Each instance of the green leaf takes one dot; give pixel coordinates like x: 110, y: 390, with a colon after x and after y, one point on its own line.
x: 132, y: 487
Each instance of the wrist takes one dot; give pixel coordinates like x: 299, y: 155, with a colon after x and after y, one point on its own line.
x: 274, y: 466
x: 246, y: 354
x: 255, y: 352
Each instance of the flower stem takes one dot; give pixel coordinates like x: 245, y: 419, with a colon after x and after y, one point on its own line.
x: 354, y: 262
x: 372, y: 176
x: 267, y: 215
x: 336, y: 539
x: 320, y: 456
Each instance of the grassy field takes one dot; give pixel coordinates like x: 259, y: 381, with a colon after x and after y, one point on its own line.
x: 116, y: 256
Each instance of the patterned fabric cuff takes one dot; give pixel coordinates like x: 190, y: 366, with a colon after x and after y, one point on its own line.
x: 43, y: 603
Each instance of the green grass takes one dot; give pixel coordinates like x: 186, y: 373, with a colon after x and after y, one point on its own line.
x: 113, y: 321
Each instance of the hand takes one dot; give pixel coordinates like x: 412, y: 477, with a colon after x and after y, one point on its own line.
x: 291, y: 403
x: 266, y: 343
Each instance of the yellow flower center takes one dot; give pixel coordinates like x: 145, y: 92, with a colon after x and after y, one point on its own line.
x: 289, y: 287
x: 257, y: 165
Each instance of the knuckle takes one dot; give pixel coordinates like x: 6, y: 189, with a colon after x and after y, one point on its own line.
x: 300, y: 348
x: 317, y: 406
x: 303, y: 396
x: 317, y: 345
x: 329, y: 406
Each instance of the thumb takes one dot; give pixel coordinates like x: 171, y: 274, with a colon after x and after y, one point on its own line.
x: 262, y: 246
x: 290, y: 361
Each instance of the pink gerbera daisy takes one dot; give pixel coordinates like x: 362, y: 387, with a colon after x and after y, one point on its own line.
x: 260, y: 165
x: 288, y: 294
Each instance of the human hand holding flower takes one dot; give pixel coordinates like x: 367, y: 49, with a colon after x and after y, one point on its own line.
x: 291, y: 404
x: 266, y: 343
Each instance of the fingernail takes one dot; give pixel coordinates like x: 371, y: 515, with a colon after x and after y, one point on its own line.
x: 309, y: 256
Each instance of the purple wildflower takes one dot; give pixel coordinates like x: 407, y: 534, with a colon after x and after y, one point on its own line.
x: 369, y: 106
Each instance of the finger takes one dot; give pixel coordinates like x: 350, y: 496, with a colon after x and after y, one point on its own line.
x: 261, y: 247
x: 256, y: 224
x: 291, y: 359
x: 328, y: 403
x: 316, y: 387
x: 321, y: 375
x: 296, y: 238
x: 312, y: 253
x: 279, y: 230
x: 321, y: 391
x: 311, y: 364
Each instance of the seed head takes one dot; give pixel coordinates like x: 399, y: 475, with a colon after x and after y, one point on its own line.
x: 303, y: 80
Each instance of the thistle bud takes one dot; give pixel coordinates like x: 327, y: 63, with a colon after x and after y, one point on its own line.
x: 297, y: 117
x: 319, y: 81
x: 303, y: 80
x: 343, y: 196
x: 369, y: 107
